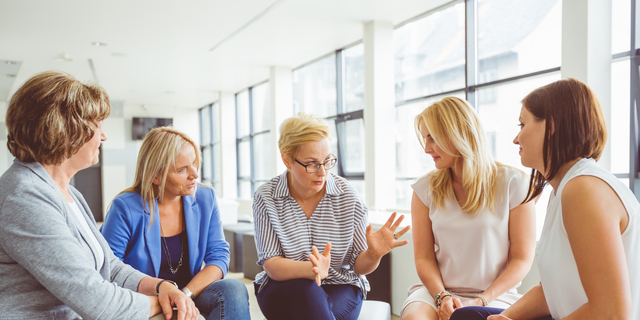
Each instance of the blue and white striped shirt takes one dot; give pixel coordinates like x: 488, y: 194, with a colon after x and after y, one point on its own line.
x: 282, y: 229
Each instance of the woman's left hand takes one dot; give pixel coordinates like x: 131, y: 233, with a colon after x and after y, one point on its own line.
x: 170, y: 296
x: 385, y: 239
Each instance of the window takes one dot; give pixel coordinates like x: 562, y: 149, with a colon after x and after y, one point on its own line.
x: 253, y: 138
x: 333, y: 87
x: 210, y: 169
x: 517, y: 50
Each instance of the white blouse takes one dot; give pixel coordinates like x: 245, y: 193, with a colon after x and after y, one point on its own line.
x: 558, y: 270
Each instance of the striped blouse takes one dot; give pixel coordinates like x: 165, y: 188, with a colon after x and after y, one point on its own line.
x: 282, y: 229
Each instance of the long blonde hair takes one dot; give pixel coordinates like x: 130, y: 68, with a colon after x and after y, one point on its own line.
x: 456, y: 129
x: 160, y: 149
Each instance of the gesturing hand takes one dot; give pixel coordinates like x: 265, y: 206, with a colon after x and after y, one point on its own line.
x: 321, y: 262
x: 385, y: 239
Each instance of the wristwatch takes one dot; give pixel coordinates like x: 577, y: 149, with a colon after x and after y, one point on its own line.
x: 188, y: 292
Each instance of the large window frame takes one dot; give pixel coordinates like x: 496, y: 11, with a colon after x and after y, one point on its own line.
x: 252, y: 179
x: 208, y: 174
x: 472, y: 86
x: 341, y: 116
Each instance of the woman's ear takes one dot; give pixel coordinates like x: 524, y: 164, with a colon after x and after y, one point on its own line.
x: 286, y: 160
x: 156, y: 180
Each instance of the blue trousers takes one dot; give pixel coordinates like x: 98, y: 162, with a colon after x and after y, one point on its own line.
x: 224, y: 299
x: 303, y: 299
x: 480, y: 313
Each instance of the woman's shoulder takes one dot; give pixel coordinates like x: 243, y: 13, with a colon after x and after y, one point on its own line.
x: 273, y: 188
x: 507, y: 173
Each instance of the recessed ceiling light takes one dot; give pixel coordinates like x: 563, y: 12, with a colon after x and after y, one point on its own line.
x: 11, y: 75
x: 10, y: 62
x: 99, y: 44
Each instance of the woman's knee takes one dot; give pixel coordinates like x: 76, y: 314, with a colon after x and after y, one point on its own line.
x: 230, y: 289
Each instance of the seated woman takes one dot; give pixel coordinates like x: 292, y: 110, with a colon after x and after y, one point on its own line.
x: 307, y: 207
x: 473, y: 239
x: 54, y: 264
x: 167, y: 225
x: 589, y: 251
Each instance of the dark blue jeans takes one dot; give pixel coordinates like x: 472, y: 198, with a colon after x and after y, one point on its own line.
x: 303, y: 299
x: 480, y: 313
x: 224, y: 299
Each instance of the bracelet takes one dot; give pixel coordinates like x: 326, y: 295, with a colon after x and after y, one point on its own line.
x: 440, y: 296
x: 484, y: 300
x: 161, y: 281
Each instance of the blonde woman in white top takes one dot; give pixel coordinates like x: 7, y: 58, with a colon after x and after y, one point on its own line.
x: 473, y: 239
x: 589, y: 251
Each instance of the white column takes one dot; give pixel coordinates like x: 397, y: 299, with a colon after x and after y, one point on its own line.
x: 379, y: 115
x: 228, y: 145
x: 281, y: 108
x: 586, y: 53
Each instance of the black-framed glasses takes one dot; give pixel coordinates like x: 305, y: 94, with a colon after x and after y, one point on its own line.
x: 312, y: 167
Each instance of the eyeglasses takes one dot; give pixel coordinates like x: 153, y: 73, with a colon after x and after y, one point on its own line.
x: 312, y: 167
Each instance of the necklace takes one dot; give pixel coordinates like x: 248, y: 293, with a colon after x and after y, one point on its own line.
x: 166, y: 250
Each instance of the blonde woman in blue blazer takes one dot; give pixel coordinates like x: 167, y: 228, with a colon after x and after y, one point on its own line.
x: 183, y: 233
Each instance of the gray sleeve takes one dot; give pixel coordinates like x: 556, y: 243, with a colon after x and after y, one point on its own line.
x: 121, y: 273
x: 35, y: 233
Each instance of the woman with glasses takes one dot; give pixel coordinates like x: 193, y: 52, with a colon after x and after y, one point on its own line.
x: 473, y: 238
x: 306, y: 208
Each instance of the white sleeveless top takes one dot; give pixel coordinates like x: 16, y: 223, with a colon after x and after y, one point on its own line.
x: 558, y: 270
x: 473, y: 251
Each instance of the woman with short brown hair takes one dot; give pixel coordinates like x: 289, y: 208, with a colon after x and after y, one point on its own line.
x: 54, y: 263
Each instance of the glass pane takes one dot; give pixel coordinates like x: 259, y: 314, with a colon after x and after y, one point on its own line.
x: 351, y: 135
x: 262, y: 155
x: 205, y: 169
x: 205, y: 125
x: 404, y: 193
x: 256, y: 185
x: 242, y: 109
x: 217, y: 161
x: 334, y: 144
x: 314, y: 88
x: 217, y: 186
x: 429, y: 54
x: 411, y: 161
x: 215, y: 123
x: 261, y: 114
x: 244, y: 190
x: 360, y: 186
x: 620, y: 124
x: 621, y: 26
x: 244, y: 159
x: 500, y: 116
x: 517, y: 37
x: 353, y: 78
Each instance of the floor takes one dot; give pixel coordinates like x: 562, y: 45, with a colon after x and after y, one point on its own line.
x: 256, y: 314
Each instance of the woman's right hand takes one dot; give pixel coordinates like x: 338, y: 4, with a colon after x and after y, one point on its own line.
x: 448, y: 306
x: 321, y: 262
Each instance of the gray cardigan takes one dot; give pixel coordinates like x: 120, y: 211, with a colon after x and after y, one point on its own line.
x: 47, y: 268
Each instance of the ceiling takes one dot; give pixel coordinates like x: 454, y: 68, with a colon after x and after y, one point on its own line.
x: 158, y: 53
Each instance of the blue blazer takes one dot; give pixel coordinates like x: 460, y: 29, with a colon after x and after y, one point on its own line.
x: 126, y: 229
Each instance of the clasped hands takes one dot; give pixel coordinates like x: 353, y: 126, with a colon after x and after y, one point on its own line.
x: 450, y: 304
x: 170, y: 296
x: 379, y: 243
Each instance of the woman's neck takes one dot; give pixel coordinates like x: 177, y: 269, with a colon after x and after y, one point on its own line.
x: 557, y: 179
x: 172, y: 203
x: 301, y: 194
x: 61, y: 175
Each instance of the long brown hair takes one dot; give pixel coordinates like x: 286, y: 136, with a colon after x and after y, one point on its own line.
x: 574, y: 128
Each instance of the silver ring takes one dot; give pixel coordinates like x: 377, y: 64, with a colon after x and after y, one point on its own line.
x: 395, y: 237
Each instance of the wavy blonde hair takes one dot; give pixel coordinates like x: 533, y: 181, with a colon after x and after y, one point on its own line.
x: 456, y: 129
x: 296, y: 131
x: 160, y: 149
